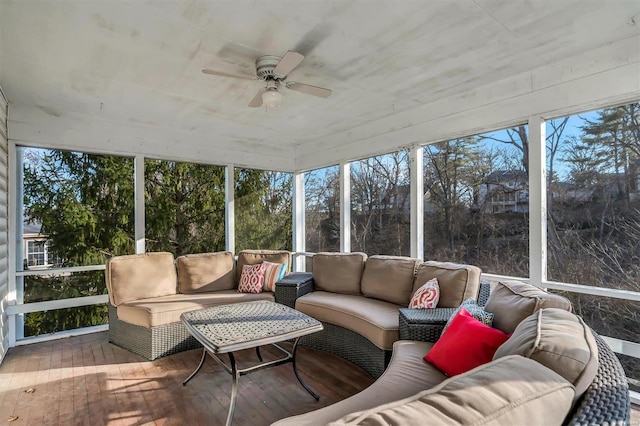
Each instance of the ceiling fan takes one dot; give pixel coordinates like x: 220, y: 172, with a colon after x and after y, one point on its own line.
x: 274, y: 71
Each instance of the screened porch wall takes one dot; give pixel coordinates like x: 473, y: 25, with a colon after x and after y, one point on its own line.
x: 4, y: 282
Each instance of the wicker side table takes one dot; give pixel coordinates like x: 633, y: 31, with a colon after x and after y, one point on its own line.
x: 294, y: 285
x: 423, y: 324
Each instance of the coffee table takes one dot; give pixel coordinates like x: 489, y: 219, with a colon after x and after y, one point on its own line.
x: 230, y: 328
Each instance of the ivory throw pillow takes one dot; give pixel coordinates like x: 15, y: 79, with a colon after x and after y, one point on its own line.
x: 427, y: 296
x: 252, y: 278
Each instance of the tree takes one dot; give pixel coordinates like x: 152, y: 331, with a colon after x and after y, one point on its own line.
x: 85, y: 204
x: 379, y: 204
x: 263, y: 211
x: 322, y: 210
x: 615, y: 135
x: 451, y: 182
x: 184, y: 207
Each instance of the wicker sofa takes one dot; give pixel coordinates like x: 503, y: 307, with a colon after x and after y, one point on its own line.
x: 148, y: 292
x: 553, y: 369
x: 358, y: 298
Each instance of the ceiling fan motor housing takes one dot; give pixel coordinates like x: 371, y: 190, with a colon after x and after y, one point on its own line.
x: 265, y: 66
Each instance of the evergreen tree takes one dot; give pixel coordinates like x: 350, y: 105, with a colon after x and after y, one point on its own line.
x: 184, y: 207
x: 85, y: 205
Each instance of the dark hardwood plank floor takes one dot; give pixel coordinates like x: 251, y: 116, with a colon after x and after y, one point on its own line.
x: 85, y: 380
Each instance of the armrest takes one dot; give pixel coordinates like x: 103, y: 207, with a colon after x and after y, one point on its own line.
x: 423, y: 324
x: 293, y: 286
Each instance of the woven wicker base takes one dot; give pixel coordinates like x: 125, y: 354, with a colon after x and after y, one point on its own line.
x: 150, y: 343
x: 425, y: 325
x: 606, y: 401
x: 351, y: 346
x: 293, y: 286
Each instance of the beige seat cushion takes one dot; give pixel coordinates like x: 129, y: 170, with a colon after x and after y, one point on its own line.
x: 206, y: 272
x: 457, y: 282
x: 406, y: 375
x: 374, y: 319
x: 338, y: 272
x: 510, y: 391
x: 389, y: 278
x: 253, y: 257
x: 512, y: 301
x: 167, y: 309
x: 140, y: 276
x: 558, y: 340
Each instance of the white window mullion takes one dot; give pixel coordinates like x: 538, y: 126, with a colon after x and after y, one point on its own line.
x: 229, y: 202
x: 299, y: 245
x: 139, y: 213
x: 416, y: 168
x: 538, y: 201
x: 345, y: 207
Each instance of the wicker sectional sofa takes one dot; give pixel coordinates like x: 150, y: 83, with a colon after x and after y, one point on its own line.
x: 358, y: 298
x: 553, y: 369
x: 148, y: 292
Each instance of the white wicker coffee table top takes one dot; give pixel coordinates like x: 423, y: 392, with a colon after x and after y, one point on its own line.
x: 229, y: 328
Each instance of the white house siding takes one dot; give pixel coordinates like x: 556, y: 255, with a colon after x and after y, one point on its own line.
x: 4, y: 282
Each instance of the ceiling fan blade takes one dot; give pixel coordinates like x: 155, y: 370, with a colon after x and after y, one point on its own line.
x: 256, y: 102
x: 289, y: 61
x: 309, y: 89
x: 228, y: 74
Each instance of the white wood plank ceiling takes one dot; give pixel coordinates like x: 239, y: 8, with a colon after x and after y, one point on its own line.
x: 125, y: 76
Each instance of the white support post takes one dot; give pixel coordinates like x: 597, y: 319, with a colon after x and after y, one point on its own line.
x: 416, y: 167
x: 345, y: 207
x: 298, y: 222
x: 139, y: 212
x: 229, y: 217
x: 16, y: 250
x: 537, y: 201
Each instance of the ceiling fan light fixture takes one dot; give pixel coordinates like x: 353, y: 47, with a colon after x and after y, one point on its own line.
x: 272, y: 98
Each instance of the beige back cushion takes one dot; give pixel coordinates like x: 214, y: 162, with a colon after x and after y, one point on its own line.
x: 338, y: 272
x: 509, y: 391
x: 140, y: 276
x: 457, y: 282
x: 205, y: 272
x: 558, y: 340
x: 512, y: 301
x: 253, y: 257
x: 389, y: 278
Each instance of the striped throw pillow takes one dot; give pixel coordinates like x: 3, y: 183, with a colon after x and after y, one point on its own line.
x: 272, y: 274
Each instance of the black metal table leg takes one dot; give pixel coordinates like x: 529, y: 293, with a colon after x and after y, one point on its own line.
x: 295, y: 370
x: 234, y: 388
x: 258, y: 353
x: 204, y: 355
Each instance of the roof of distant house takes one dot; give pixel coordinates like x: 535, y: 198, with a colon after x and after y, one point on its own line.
x: 31, y: 228
x: 501, y: 176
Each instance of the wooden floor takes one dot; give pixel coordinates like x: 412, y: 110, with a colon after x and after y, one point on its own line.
x: 85, y: 380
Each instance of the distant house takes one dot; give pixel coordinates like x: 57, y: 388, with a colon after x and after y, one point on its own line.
x: 504, y: 191
x: 566, y: 192
x: 35, y: 251
x: 507, y: 191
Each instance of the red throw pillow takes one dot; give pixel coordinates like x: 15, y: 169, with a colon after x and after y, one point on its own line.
x: 466, y: 344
